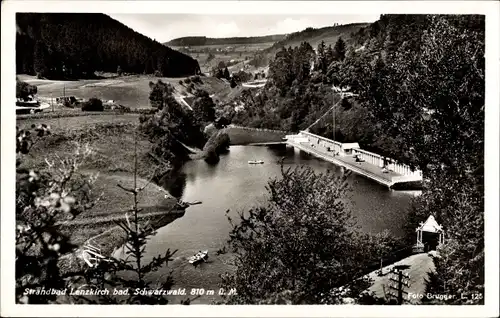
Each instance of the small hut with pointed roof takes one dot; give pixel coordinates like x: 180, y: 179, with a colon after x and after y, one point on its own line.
x: 429, y: 226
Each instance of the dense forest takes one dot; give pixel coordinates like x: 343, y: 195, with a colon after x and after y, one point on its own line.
x: 75, y: 45
x: 203, y: 40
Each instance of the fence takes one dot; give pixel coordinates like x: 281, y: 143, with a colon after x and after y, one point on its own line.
x: 373, y: 158
x: 407, y: 174
x: 319, y: 141
x: 258, y: 129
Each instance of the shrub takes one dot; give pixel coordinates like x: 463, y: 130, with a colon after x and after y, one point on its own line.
x: 93, y: 105
x: 196, y: 79
x: 233, y: 83
x: 187, y: 81
x: 203, y: 107
x: 158, y: 92
x: 212, y: 157
x: 180, y: 82
x: 346, y: 104
x: 158, y: 73
x: 218, y: 142
x: 23, y: 89
x: 222, y: 122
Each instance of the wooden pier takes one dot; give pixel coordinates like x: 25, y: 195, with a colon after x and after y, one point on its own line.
x: 394, y: 175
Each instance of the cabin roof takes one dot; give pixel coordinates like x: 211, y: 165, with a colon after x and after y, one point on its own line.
x: 352, y: 145
x: 430, y: 225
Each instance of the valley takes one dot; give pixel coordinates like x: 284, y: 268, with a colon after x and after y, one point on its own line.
x: 166, y: 125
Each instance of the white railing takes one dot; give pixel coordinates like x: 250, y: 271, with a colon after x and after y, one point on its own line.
x: 407, y: 174
x: 373, y: 158
x: 257, y: 129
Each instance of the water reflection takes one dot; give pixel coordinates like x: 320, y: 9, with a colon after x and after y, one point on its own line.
x: 175, y: 183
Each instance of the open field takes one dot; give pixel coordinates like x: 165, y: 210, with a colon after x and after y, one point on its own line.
x: 82, y: 120
x: 238, y: 52
x: 131, y: 91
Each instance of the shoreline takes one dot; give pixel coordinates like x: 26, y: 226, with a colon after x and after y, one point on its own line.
x: 110, y: 238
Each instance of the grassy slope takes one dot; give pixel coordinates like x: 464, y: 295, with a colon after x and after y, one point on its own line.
x: 81, y: 121
x: 113, y: 144
x: 131, y: 91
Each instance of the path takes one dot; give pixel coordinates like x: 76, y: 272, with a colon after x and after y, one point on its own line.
x: 420, y: 265
x: 180, y: 99
x: 255, y: 84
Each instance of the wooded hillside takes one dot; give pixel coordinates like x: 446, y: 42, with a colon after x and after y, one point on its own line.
x: 75, y: 45
x: 328, y: 35
x: 314, y: 36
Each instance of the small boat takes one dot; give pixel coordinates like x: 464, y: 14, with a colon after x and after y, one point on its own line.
x: 181, y: 204
x: 255, y: 162
x: 198, y: 257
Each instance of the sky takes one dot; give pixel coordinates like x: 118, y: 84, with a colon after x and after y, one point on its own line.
x: 166, y: 27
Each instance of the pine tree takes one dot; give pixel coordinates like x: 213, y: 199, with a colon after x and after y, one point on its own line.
x: 321, y: 56
x: 226, y: 74
x: 339, y: 49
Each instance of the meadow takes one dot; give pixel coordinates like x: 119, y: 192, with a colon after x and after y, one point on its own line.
x: 130, y: 91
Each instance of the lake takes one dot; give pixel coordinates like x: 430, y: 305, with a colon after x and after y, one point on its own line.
x: 235, y: 185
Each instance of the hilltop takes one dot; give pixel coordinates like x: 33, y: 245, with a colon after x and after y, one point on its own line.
x: 75, y: 46
x: 203, y: 40
x: 314, y: 36
x: 329, y: 35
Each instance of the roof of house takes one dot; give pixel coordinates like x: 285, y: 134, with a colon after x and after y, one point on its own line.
x: 430, y: 225
x: 352, y: 145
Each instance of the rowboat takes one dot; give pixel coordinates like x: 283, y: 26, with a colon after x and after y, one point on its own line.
x: 198, y: 257
x: 181, y: 204
x: 256, y: 162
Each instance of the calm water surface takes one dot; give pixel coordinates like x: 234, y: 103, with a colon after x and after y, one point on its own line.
x: 235, y: 185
